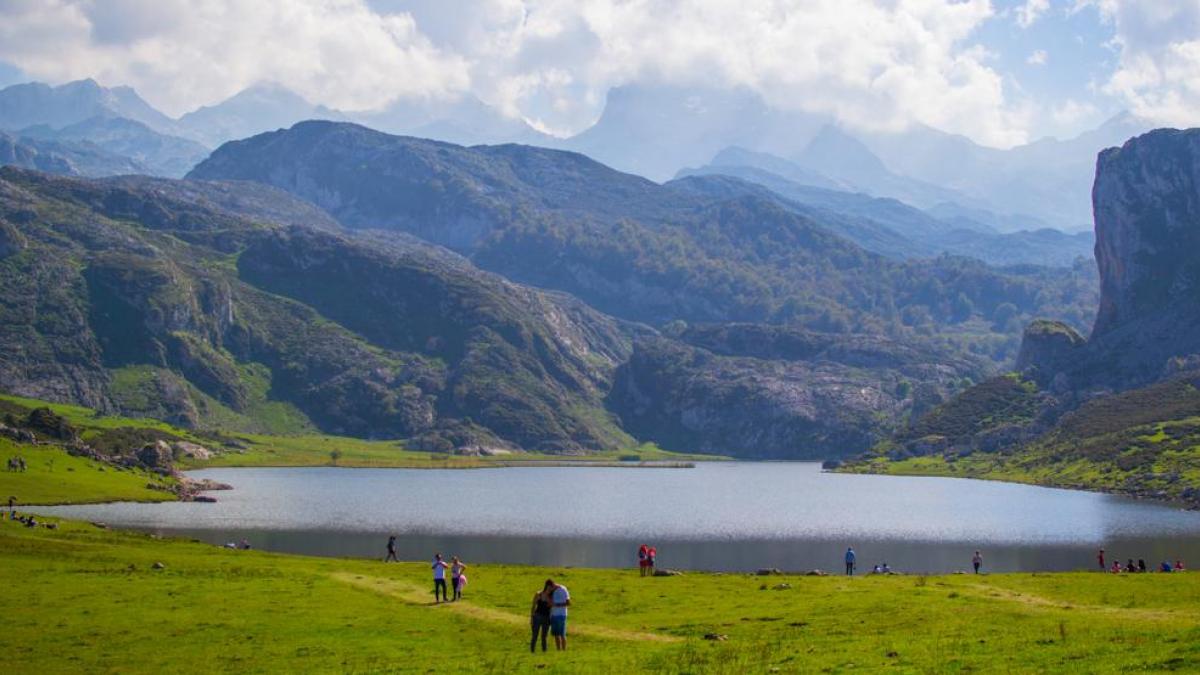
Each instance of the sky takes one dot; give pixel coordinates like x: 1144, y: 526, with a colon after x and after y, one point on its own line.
x: 1002, y: 72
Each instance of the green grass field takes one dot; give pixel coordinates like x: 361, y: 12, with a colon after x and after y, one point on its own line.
x: 54, y: 477
x: 80, y: 599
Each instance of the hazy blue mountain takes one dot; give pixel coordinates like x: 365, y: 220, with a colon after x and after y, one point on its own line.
x: 160, y: 154
x: 67, y: 158
x: 263, y: 107
x: 656, y: 131
x: 26, y: 105
x: 895, y: 229
x: 1050, y: 179
x: 266, y: 107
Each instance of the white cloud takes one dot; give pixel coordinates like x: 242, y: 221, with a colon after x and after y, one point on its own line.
x: 1030, y: 12
x: 1037, y: 57
x: 871, y: 63
x: 1158, y: 74
x: 181, y: 54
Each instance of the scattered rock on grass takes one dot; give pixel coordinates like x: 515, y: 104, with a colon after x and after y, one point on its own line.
x: 667, y: 573
x: 782, y: 587
x: 718, y: 637
x: 768, y: 571
x: 158, y: 566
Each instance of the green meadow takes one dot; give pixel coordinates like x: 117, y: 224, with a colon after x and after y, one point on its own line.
x: 82, y: 599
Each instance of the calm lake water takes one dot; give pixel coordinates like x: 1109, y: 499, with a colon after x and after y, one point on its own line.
x: 717, y: 516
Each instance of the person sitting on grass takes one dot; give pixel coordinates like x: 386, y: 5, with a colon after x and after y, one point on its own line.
x: 560, y: 599
x: 1164, y: 567
x: 1116, y: 568
x: 1130, y: 567
x: 1178, y: 565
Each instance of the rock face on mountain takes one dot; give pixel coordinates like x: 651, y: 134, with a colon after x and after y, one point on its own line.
x: 153, y: 297
x: 769, y: 392
x: 1048, y: 348
x: 628, y: 246
x: 1147, y: 205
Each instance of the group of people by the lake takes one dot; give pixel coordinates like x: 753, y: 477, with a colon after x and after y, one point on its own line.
x: 647, y: 556
x: 458, y: 578
x: 851, y: 560
x: 1136, y: 568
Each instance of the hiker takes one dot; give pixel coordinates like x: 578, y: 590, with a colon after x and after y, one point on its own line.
x: 1100, y: 557
x: 850, y: 558
x: 539, y: 616
x: 643, y: 558
x: 1141, y: 565
x: 560, y: 599
x: 457, y: 578
x: 977, y: 561
x: 391, y: 550
x: 651, y: 555
x: 439, y: 578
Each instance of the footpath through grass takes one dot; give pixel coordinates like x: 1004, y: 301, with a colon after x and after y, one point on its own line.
x: 80, y: 599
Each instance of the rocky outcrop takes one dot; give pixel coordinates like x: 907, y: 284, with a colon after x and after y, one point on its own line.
x: 1047, y: 349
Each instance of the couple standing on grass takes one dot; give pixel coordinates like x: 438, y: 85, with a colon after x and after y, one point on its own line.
x: 549, y: 613
x: 456, y: 567
x: 646, y: 556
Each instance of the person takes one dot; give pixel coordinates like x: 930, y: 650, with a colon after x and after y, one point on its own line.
x: 560, y: 599
x: 643, y: 558
x: 651, y: 555
x: 1129, y: 566
x: 886, y: 569
x: 1164, y: 567
x: 1116, y: 567
x: 876, y: 570
x: 12, y: 508
x: 1100, y: 557
x: 245, y: 546
x: 850, y: 558
x: 977, y: 561
x: 439, y: 578
x: 539, y: 616
x: 1141, y: 565
x: 1178, y: 565
x: 457, y: 567
x: 391, y: 550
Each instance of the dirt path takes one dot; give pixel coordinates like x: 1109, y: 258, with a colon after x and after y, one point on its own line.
x: 1041, y: 602
x: 418, y: 596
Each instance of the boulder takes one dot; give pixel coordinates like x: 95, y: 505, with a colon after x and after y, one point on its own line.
x: 782, y: 587
x: 667, y: 573
x: 190, y: 450
x: 768, y: 571
x: 156, y: 455
x: 1048, y: 348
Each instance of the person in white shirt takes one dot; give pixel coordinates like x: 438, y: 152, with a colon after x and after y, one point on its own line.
x: 560, y: 599
x: 439, y: 578
x: 457, y: 578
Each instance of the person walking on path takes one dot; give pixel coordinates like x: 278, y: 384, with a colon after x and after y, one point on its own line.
x: 1100, y: 559
x: 439, y: 578
x: 850, y: 558
x: 977, y: 561
x: 391, y: 550
x: 560, y: 599
x: 457, y: 578
x: 539, y: 616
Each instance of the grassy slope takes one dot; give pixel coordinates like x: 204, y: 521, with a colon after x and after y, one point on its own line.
x: 1142, y: 442
x: 54, y: 477
x: 90, y: 600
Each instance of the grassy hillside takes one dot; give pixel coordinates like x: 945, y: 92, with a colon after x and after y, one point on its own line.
x: 1143, y: 442
x: 93, y: 600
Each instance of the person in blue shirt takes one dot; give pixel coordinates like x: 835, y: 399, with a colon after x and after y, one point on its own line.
x: 850, y: 558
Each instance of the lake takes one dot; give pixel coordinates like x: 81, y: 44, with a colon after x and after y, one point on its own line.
x: 717, y: 516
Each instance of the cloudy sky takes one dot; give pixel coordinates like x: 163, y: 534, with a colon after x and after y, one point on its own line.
x: 1000, y: 71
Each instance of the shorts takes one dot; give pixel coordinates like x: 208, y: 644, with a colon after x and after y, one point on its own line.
x: 558, y: 626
